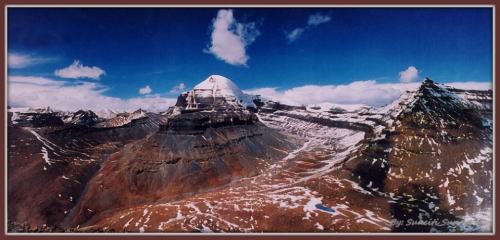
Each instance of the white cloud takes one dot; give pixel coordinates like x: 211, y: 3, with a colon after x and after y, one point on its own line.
x: 314, y: 20
x: 28, y: 91
x: 77, y: 70
x: 317, y: 19
x: 471, y: 85
x: 178, y: 88
x: 35, y: 81
x: 294, y: 34
x: 360, y: 92
x: 16, y: 60
x: 267, y: 92
x: 230, y: 39
x: 408, y: 75
x: 145, y: 90
x: 368, y: 92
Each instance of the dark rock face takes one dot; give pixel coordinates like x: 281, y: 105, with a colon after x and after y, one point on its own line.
x: 193, y: 152
x: 181, y: 100
x: 419, y: 204
x: 371, y: 166
x: 436, y: 106
x: 45, y: 119
x: 271, y: 106
x: 197, y: 122
x: 50, y: 118
x: 81, y: 117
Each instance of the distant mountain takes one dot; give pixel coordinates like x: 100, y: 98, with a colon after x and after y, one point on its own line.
x: 221, y: 160
x: 106, y: 113
x: 81, y: 117
x: 122, y: 119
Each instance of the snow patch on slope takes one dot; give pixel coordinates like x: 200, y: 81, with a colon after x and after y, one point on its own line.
x: 327, y: 106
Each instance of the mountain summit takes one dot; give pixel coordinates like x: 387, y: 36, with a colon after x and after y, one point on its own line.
x: 214, y: 92
x: 219, y: 86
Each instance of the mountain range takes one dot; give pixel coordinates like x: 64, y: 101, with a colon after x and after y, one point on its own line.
x: 221, y: 160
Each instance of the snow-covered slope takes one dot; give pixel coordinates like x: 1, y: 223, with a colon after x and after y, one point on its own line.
x: 333, y: 107
x: 217, y: 87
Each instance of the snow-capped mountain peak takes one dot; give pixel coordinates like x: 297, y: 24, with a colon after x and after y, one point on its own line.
x: 218, y: 85
x: 122, y: 119
x: 81, y: 117
x: 217, y: 90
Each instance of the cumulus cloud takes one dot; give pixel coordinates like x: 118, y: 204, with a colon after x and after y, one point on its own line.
x: 77, y: 70
x: 29, y: 91
x: 229, y: 38
x: 145, y: 90
x: 360, y: 92
x: 313, y: 21
x: 368, y: 92
x: 409, y: 75
x: 16, y: 60
x: 178, y: 88
x: 317, y: 19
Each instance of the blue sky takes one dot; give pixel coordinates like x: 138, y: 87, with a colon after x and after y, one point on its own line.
x: 259, y: 49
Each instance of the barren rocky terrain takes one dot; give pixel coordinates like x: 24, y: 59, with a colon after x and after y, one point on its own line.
x: 224, y: 161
